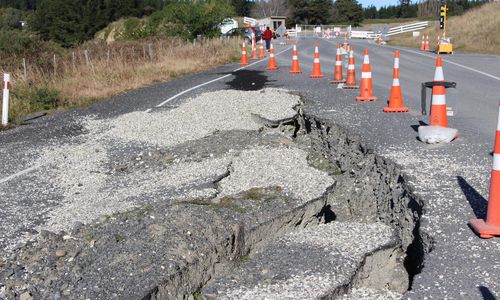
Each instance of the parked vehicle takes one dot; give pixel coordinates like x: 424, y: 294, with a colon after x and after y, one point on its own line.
x: 227, y: 25
x: 252, y: 32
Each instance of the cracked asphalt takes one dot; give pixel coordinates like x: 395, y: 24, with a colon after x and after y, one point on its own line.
x: 452, y: 179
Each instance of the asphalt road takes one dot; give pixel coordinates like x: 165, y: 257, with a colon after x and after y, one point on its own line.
x: 452, y: 179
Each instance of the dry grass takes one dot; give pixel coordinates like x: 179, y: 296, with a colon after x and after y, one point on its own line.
x: 111, y: 70
x: 476, y: 31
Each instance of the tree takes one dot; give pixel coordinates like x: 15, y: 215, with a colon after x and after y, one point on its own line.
x: 370, y: 12
x: 348, y: 11
x: 267, y: 8
x: 310, y: 11
x: 242, y: 7
x: 60, y: 21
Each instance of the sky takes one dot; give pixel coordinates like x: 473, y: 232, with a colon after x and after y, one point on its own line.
x: 378, y: 3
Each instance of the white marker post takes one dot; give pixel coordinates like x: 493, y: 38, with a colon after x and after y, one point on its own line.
x: 5, y: 106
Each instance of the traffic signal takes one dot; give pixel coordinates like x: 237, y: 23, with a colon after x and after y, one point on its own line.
x: 442, y: 17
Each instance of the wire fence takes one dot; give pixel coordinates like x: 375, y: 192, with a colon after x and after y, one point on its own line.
x: 53, y: 65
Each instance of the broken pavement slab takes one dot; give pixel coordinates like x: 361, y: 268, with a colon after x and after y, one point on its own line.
x: 316, y: 263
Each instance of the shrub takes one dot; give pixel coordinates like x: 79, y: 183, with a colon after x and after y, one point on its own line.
x: 190, y: 19
x: 44, y: 97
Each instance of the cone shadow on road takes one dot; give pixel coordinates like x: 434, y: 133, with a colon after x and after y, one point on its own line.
x: 249, y: 80
x: 420, y: 123
x: 486, y: 293
x: 477, y: 202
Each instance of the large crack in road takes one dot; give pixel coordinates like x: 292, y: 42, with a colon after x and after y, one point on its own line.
x: 260, y: 195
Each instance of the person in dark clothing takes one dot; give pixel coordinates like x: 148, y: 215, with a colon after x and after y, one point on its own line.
x: 268, y: 35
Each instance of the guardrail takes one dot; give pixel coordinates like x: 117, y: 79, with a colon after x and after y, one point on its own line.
x: 407, y: 28
x: 392, y: 31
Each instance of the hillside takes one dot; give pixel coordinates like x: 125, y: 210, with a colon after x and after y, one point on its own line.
x: 475, y: 31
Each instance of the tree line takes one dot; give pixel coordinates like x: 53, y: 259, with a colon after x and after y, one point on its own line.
x: 422, y: 8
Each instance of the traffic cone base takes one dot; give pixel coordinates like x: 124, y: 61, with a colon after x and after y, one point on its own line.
x: 366, y: 99
x: 337, y: 81
x: 350, y: 87
x: 396, y: 109
x: 296, y: 72
x: 317, y: 76
x: 272, y: 68
x: 484, y: 230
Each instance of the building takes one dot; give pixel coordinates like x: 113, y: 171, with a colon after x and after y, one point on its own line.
x: 274, y: 22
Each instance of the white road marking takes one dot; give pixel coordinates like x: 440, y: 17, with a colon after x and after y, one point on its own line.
x: 214, y: 80
x: 448, y: 61
x: 149, y: 110
x: 19, y: 174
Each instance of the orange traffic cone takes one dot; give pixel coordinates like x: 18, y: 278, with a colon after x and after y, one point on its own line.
x: 244, y: 60
x: 272, y: 61
x: 366, y: 81
x: 346, y: 49
x: 438, y: 42
x: 426, y: 43
x: 316, y: 73
x: 337, y: 76
x: 295, y: 61
x: 422, y: 46
x: 262, y: 53
x: 396, y: 98
x: 438, y: 108
x: 254, y: 49
x: 350, y: 82
x: 491, y: 226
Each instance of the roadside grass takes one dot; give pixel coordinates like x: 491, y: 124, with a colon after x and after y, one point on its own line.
x: 73, y: 79
x: 476, y: 31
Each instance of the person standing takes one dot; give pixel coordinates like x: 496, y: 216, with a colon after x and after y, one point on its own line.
x: 268, y: 35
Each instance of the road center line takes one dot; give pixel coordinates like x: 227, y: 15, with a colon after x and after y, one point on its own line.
x: 19, y: 173
x: 214, y: 80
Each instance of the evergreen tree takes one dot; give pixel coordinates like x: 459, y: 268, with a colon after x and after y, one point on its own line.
x: 370, y: 12
x: 348, y: 11
x: 60, y: 21
x: 313, y: 12
x: 242, y: 7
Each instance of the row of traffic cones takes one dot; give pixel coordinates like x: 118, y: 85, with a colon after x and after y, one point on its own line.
x: 255, y: 56
x: 424, y: 46
x: 395, y: 103
x: 425, y: 43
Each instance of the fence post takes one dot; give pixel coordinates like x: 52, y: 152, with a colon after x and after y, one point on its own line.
x: 150, y: 49
x: 5, y: 102
x: 87, y: 60
x: 25, y: 69
x: 73, y: 60
x: 55, y: 65
x: 107, y: 59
